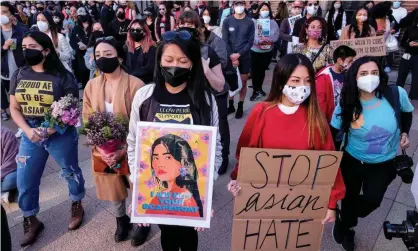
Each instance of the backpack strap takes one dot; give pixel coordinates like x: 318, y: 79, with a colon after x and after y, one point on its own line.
x: 391, y: 94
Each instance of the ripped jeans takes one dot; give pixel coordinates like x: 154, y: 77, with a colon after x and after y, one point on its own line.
x: 31, y: 161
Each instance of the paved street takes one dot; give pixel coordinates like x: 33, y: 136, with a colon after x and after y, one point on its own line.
x: 99, y: 224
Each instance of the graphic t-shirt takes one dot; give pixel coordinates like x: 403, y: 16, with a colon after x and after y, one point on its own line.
x: 338, y: 80
x: 173, y: 108
x: 375, y: 136
x: 36, y: 91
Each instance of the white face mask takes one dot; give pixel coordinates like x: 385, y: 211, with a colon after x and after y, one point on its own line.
x: 297, y: 94
x: 337, y: 6
x: 312, y: 10
x: 42, y: 26
x: 33, y: 12
x: 56, y: 19
x: 4, y: 19
x: 264, y: 13
x: 239, y: 10
x: 206, y: 19
x: 368, y: 83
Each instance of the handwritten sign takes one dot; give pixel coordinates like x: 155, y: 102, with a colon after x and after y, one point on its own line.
x: 292, y: 21
x: 368, y: 46
x: 283, y: 199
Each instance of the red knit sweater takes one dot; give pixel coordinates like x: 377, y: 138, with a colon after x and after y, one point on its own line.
x: 269, y: 127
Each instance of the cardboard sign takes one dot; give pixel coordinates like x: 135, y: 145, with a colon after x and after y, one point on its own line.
x: 367, y: 46
x: 173, y: 176
x: 292, y: 21
x: 283, y: 200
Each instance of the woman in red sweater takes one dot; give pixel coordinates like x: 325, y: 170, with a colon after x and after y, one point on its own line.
x: 290, y: 119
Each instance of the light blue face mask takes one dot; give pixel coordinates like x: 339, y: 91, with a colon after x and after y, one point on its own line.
x: 396, y: 4
x: 264, y: 14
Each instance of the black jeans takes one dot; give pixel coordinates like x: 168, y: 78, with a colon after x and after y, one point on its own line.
x: 390, y: 59
x: 222, y: 102
x: 6, y: 242
x: 373, y: 179
x: 404, y: 68
x: 5, y: 84
x: 175, y: 238
x: 260, y: 63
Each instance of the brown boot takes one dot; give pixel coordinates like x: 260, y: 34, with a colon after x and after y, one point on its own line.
x: 32, y: 227
x: 77, y: 214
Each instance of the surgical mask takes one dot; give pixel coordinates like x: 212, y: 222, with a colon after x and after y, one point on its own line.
x: 239, y: 10
x: 67, y: 11
x: 264, y: 13
x: 314, y: 34
x: 4, y: 20
x: 362, y: 18
x: 162, y: 12
x: 396, y: 4
x: 206, y: 19
x: 33, y: 12
x: 56, y: 19
x: 107, y: 65
x: 368, y: 83
x: 42, y: 26
x: 297, y: 94
x: 337, y: 6
x: 312, y: 10
x: 175, y: 76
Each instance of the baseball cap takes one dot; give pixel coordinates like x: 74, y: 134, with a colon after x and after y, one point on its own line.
x: 81, y: 11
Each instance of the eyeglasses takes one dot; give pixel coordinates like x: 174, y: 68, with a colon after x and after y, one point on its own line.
x: 313, y: 4
x: 172, y: 35
x: 101, y: 39
x: 135, y: 30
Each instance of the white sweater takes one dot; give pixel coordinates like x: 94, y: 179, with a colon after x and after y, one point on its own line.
x: 143, y: 94
x: 65, y: 51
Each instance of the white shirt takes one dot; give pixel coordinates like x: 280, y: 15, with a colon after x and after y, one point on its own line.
x: 399, y: 14
x: 108, y: 107
x: 288, y: 109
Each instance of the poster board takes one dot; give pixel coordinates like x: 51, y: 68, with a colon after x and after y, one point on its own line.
x: 292, y: 21
x: 263, y: 27
x: 173, y: 175
x: 367, y: 46
x: 283, y: 199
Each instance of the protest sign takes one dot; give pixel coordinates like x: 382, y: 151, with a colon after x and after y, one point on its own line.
x: 173, y: 176
x: 283, y: 200
x: 367, y: 46
x: 263, y: 27
x: 292, y: 21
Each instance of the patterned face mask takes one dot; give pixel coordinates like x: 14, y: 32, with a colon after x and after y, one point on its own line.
x: 297, y: 94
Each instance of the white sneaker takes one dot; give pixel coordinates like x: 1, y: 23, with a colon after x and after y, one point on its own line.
x: 5, y: 197
x: 19, y: 133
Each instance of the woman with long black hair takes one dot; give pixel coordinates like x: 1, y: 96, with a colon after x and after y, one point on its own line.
x: 375, y: 127
x: 359, y: 26
x: 42, y: 82
x: 79, y: 41
x: 180, y: 88
x: 336, y: 19
x: 164, y: 21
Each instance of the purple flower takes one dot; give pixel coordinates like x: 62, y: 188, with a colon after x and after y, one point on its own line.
x: 203, y: 171
x: 143, y: 166
x: 183, y: 172
x: 205, y: 138
x: 140, y: 198
x: 150, y: 183
x: 196, y: 154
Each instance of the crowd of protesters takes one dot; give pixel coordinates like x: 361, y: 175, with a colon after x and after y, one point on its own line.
x: 129, y: 61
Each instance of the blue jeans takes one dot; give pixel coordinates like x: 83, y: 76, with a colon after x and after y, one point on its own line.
x: 31, y: 161
x: 9, y: 182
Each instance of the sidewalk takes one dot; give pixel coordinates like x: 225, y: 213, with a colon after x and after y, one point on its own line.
x: 99, y: 224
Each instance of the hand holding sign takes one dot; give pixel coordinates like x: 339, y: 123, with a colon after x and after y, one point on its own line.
x: 233, y: 187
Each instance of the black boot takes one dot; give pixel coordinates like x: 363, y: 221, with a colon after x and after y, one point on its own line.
x: 256, y: 95
x: 139, y: 235
x: 240, y: 110
x: 123, y: 225
x: 231, y: 108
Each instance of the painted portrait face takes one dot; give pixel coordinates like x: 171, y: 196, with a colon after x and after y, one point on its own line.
x: 165, y: 166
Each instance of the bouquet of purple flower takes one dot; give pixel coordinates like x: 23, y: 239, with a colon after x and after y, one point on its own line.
x: 62, y: 114
x: 106, y: 131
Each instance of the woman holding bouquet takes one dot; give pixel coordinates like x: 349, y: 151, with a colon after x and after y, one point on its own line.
x: 111, y: 92
x: 33, y: 89
x: 180, y: 95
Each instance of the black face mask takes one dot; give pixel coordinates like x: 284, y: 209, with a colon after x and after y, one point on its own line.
x: 96, y: 34
x: 175, y: 76
x: 51, y: 7
x: 192, y: 31
x: 201, y: 6
x: 84, y: 19
x: 40, y: 9
x: 254, y: 6
x: 121, y: 15
x: 137, y: 36
x: 107, y: 65
x: 32, y: 56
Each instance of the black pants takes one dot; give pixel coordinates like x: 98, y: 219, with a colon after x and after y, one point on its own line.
x: 6, y: 242
x: 260, y: 63
x: 222, y: 103
x: 404, y: 68
x: 175, y: 238
x: 390, y: 59
x: 5, y: 84
x: 373, y: 179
